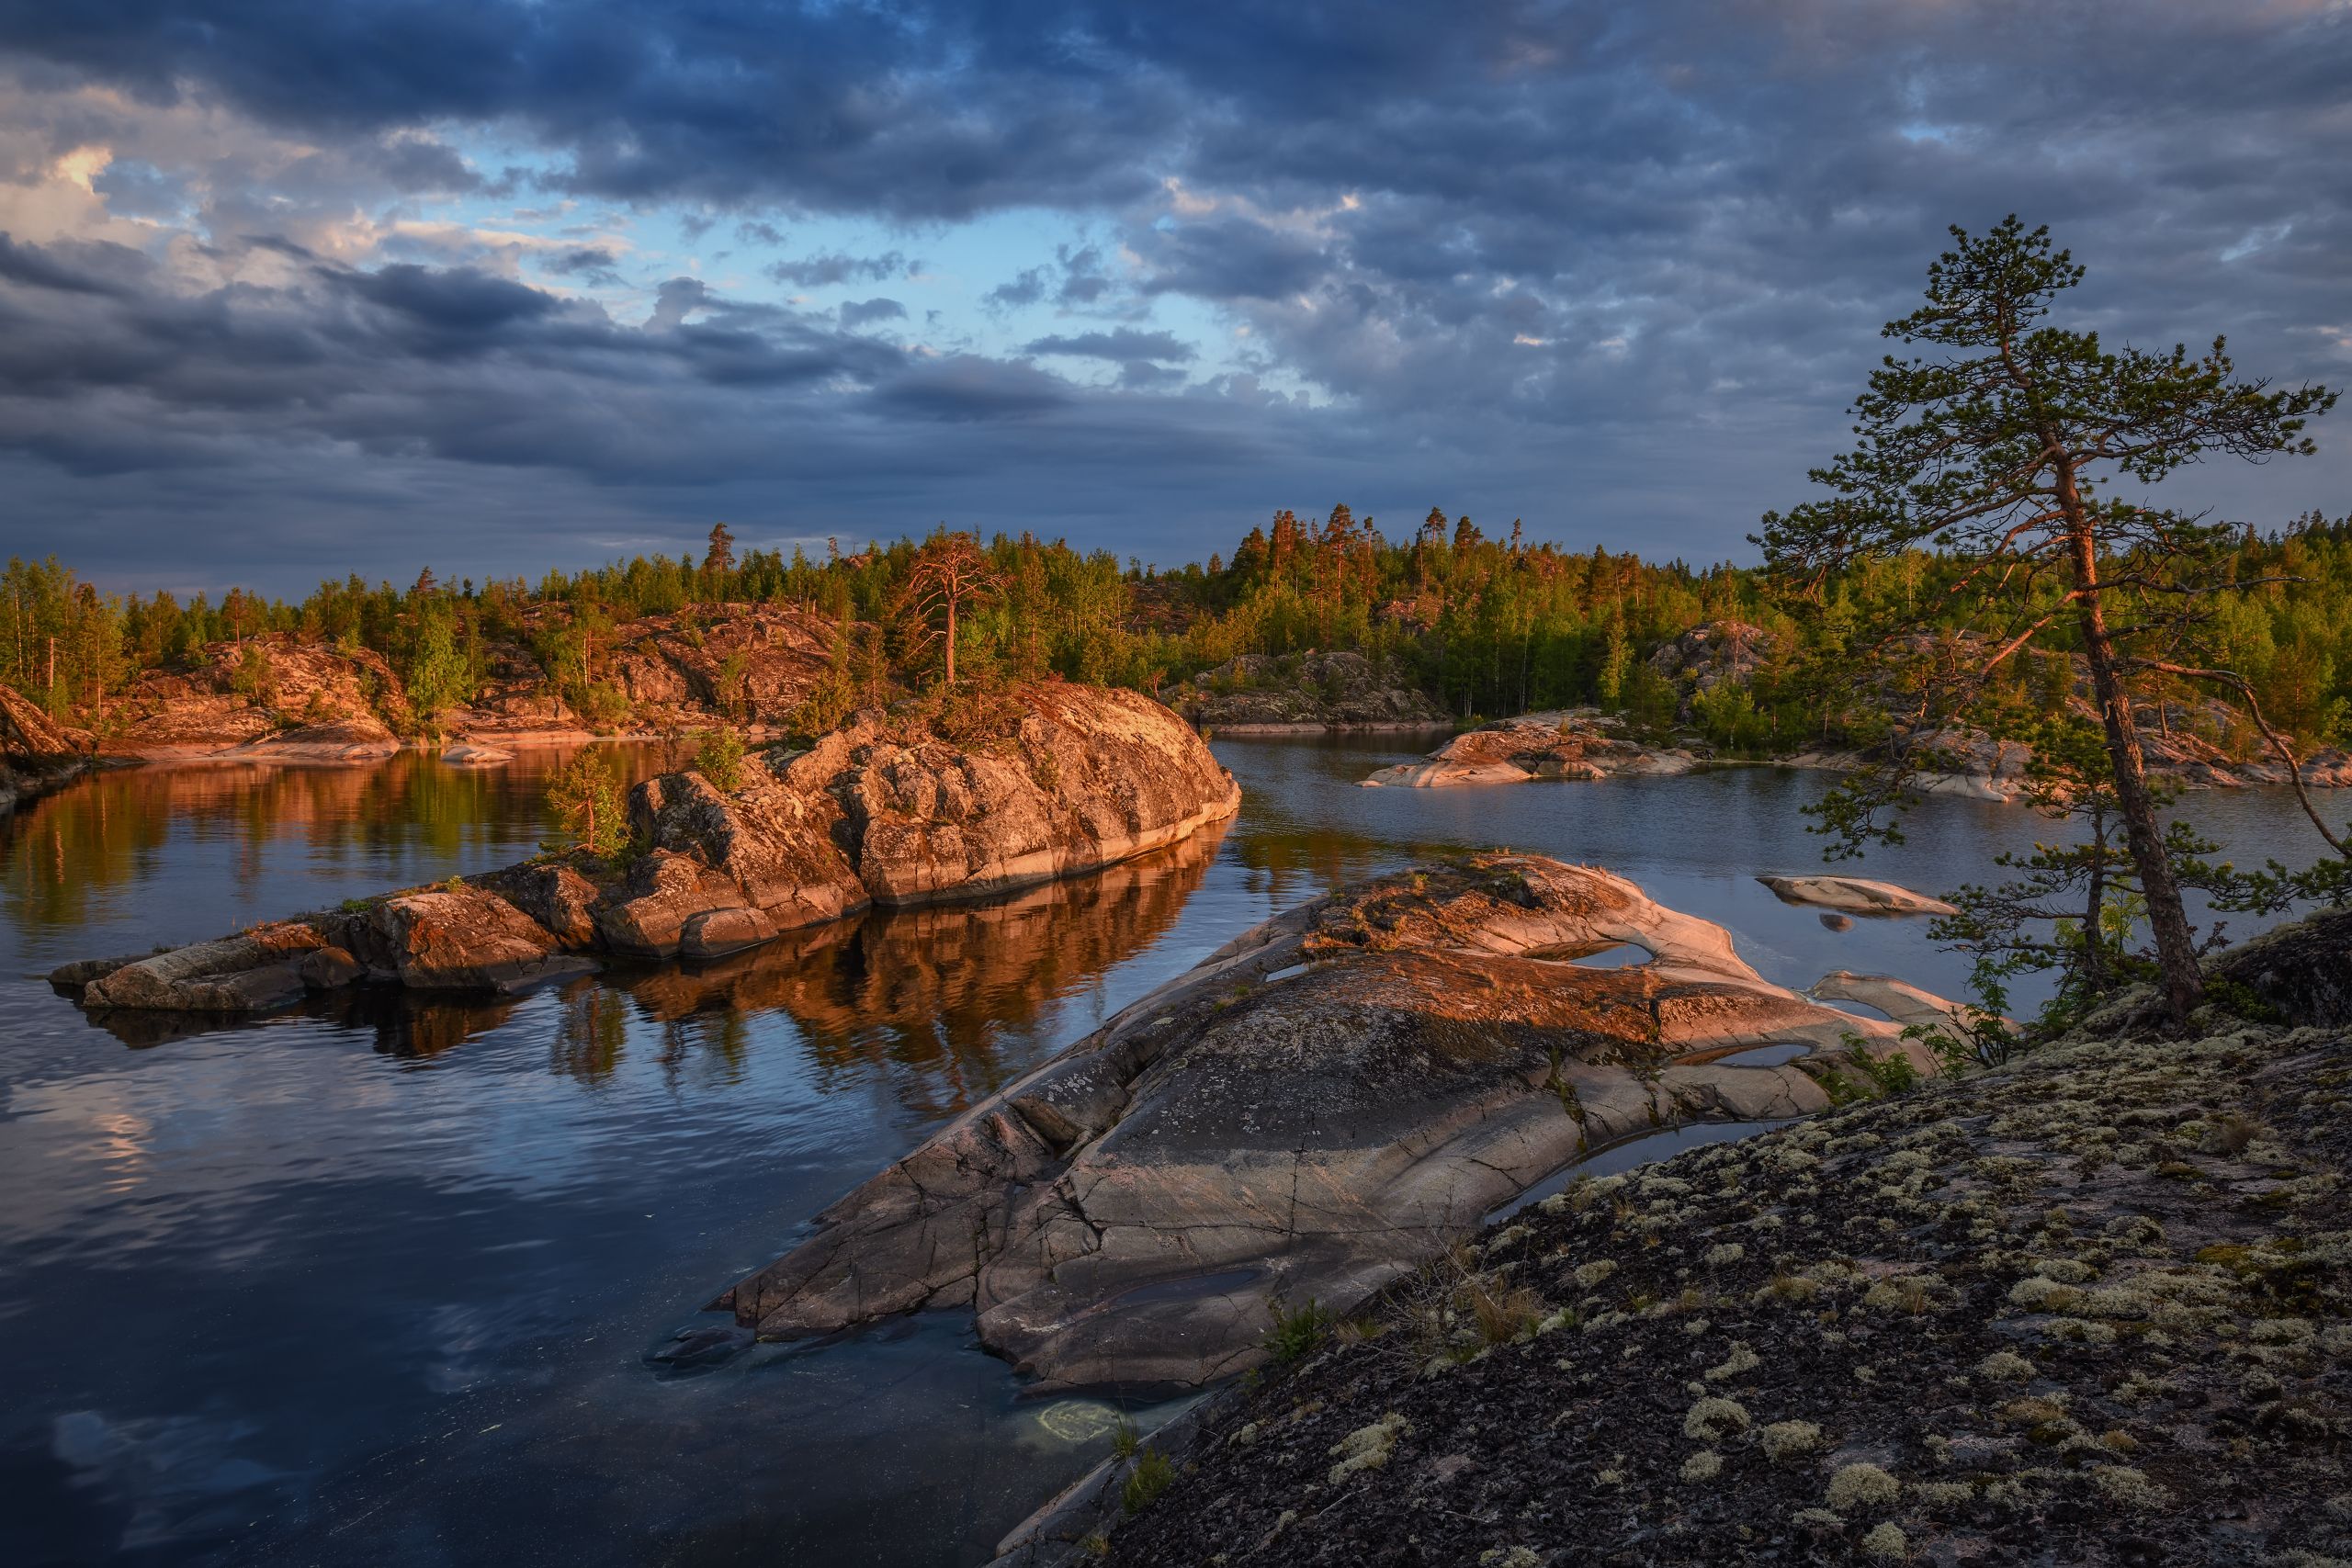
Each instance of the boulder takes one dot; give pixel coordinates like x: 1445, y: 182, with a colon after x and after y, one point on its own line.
x: 1572, y: 744
x: 474, y: 754
x: 647, y: 916
x: 773, y: 839
x: 559, y: 897
x: 1326, y: 1102
x: 454, y: 938
x: 714, y: 933
x: 1855, y: 895
x: 1059, y: 780
x: 328, y: 969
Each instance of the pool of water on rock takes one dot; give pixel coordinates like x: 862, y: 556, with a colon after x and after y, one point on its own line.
x: 384, y: 1283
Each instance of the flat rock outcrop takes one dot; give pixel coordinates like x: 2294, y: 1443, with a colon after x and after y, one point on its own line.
x: 1855, y: 895
x: 1266, y: 693
x: 1567, y: 745
x: 1324, y: 1104
x: 2091, y: 1308
x: 1047, y: 780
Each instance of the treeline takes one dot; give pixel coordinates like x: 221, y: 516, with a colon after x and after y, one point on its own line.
x: 1486, y: 622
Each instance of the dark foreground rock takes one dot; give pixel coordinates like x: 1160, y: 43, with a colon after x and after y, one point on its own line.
x: 2094, y: 1308
x: 1053, y: 781
x: 1575, y: 745
x: 1320, y: 1107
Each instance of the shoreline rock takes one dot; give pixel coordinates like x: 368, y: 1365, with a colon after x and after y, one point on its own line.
x: 1855, y: 895
x: 1059, y: 780
x: 38, y: 756
x: 1323, y: 1104
x: 1575, y: 744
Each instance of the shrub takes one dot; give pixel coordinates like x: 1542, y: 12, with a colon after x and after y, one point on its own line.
x: 718, y: 757
x: 1153, y: 1473
x: 1297, y: 1332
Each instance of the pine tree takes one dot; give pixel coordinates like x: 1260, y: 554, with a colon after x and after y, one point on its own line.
x: 1996, y: 447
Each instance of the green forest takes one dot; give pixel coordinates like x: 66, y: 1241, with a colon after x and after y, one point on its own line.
x: 1486, y: 622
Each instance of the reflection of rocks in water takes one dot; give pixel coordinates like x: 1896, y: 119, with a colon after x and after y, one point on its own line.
x: 920, y: 997
x: 408, y: 1027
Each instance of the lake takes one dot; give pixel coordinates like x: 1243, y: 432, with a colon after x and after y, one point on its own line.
x: 378, y: 1282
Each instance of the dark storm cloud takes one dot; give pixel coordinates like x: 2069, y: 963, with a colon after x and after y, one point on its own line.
x: 1124, y: 344
x: 1622, y: 262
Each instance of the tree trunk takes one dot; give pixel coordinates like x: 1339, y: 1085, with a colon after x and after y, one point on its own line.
x: 2095, y: 919
x: 2176, y: 948
x: 951, y: 639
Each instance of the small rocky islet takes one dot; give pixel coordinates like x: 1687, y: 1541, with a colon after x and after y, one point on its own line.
x: 888, y: 810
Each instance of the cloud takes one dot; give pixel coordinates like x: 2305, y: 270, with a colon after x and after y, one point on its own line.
x: 857, y: 312
x: 1076, y: 280
x: 1617, y: 269
x: 1124, y: 344
x: 818, y: 271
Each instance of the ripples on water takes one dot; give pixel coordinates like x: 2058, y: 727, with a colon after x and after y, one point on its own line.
x: 381, y: 1282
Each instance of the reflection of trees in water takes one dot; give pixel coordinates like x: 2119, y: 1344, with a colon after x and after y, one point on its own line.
x: 590, y: 1032
x: 1292, y: 861
x: 928, y: 1001
x: 110, y: 831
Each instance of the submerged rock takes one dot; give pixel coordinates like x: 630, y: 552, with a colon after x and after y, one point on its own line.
x: 1535, y: 746
x: 1855, y: 895
x: 1323, y: 1104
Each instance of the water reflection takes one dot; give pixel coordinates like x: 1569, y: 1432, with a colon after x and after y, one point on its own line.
x: 72, y: 854
x: 922, y: 1001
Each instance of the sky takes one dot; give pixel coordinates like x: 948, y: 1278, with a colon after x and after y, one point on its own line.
x: 290, y: 288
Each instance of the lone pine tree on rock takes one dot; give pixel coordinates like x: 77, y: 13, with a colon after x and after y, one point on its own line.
x: 2003, y: 445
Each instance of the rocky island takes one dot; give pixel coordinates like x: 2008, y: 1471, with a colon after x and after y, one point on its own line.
x: 888, y: 810
x: 1323, y: 1105
x: 1579, y: 744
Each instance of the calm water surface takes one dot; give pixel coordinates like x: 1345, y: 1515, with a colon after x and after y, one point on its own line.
x: 376, y: 1283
